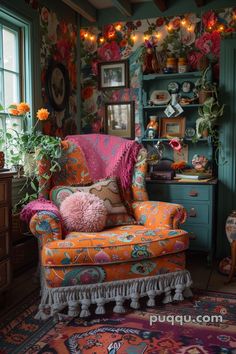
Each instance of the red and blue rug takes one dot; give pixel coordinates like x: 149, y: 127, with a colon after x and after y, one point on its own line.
x: 130, y: 333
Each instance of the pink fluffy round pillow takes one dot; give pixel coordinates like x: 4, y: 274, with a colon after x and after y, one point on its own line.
x: 84, y: 212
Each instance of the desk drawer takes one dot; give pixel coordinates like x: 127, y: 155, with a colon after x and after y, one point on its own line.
x: 202, y: 241
x: 169, y: 192
x: 4, y: 274
x: 198, y: 213
x: 3, y: 244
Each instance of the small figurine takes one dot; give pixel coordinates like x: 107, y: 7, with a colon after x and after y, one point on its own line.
x: 152, y: 127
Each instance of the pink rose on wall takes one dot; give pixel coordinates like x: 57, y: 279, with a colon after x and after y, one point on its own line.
x: 209, y: 19
x: 115, y: 96
x: 193, y: 58
x: 109, y: 51
x: 209, y: 43
x: 204, y: 43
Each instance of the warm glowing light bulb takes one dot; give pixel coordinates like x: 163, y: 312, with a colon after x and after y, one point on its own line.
x: 92, y: 38
x: 118, y: 27
x: 221, y: 28
x: 86, y: 35
x: 183, y: 22
x: 169, y: 27
x: 145, y: 37
x: 101, y: 39
x: 190, y: 28
x: 209, y: 27
x: 158, y: 35
x: 133, y: 37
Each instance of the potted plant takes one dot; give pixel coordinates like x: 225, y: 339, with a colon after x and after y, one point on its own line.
x: 209, y: 114
x: 27, y: 146
x: 205, y: 87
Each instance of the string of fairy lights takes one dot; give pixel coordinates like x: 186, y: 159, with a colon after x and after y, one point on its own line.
x: 212, y: 25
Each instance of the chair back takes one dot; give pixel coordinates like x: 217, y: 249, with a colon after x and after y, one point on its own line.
x: 73, y: 170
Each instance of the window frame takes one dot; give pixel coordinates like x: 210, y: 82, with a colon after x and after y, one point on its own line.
x: 22, y: 15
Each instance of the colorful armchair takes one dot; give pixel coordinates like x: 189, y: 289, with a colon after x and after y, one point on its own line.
x: 143, y: 257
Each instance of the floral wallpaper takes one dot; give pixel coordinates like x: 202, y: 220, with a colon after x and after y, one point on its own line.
x: 198, y: 39
x: 58, y: 45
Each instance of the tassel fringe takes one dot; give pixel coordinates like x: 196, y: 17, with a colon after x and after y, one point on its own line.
x: 55, y: 299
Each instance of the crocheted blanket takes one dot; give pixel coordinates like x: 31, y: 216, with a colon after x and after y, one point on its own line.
x: 38, y: 205
x: 108, y: 156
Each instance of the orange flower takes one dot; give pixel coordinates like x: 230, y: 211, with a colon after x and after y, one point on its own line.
x: 42, y: 114
x: 178, y: 165
x: 13, y: 109
x: 23, y: 108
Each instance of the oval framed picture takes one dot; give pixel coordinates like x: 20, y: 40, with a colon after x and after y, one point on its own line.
x: 57, y: 85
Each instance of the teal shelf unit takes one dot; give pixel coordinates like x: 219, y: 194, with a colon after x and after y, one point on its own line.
x: 198, y: 198
x: 152, y: 82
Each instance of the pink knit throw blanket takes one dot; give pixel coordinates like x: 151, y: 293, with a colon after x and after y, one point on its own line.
x: 108, y: 156
x: 40, y: 204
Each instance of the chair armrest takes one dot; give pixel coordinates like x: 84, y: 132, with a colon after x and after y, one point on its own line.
x: 159, y: 214
x: 46, y: 226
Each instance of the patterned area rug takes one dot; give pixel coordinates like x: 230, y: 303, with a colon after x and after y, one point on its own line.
x: 131, y: 333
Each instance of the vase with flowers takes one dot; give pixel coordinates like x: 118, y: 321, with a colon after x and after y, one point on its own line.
x: 24, y: 145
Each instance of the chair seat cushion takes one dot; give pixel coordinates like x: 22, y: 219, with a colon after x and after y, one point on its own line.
x: 115, y: 245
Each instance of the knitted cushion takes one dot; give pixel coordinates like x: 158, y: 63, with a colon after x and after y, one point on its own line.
x: 83, y: 212
x: 108, y: 191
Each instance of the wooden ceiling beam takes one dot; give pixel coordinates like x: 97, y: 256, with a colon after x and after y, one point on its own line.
x: 123, y: 6
x: 161, y: 4
x: 84, y: 8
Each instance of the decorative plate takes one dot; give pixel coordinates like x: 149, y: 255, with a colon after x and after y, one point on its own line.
x: 160, y: 97
x: 173, y: 87
x: 189, y: 132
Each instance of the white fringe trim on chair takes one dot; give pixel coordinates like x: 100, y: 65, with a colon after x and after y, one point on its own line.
x: 55, y: 299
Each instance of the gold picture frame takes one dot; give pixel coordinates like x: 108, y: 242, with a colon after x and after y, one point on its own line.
x: 173, y: 127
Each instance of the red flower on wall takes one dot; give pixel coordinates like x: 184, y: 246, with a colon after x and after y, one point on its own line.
x: 194, y: 58
x: 209, y: 19
x: 87, y: 92
x: 109, y: 51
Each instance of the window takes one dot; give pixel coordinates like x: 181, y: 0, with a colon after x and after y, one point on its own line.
x: 13, y: 52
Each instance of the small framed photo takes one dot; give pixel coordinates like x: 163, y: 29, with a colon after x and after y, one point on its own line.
x: 173, y: 127
x: 119, y: 119
x: 113, y: 74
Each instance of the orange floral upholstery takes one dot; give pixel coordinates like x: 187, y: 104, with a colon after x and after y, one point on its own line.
x: 122, y: 262
x: 119, y: 244
x: 68, y: 275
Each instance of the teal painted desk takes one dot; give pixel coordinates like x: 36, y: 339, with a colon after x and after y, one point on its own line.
x: 199, y: 200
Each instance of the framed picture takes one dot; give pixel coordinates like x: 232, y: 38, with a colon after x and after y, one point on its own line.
x: 173, y: 127
x: 113, y: 74
x: 57, y: 85
x: 119, y: 119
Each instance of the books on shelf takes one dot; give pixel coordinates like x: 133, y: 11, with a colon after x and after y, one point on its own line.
x: 193, y: 175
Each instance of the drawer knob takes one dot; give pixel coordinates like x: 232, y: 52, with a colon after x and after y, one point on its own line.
x: 192, y: 213
x: 193, y: 194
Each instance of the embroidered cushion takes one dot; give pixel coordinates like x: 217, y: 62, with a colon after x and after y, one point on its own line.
x: 83, y: 212
x: 108, y: 191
